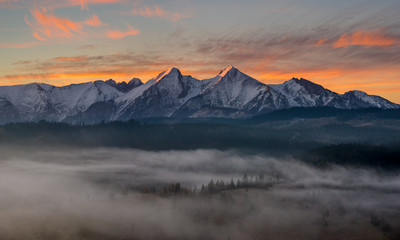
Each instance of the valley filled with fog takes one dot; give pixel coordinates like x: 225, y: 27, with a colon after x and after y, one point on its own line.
x: 199, y: 120
x: 102, y: 193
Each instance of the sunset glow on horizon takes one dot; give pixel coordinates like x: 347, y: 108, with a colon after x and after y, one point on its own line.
x: 341, y: 45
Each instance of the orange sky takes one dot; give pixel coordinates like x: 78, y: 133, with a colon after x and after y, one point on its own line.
x: 72, y: 41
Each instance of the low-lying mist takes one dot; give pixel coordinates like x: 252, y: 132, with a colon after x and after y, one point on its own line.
x: 77, y: 194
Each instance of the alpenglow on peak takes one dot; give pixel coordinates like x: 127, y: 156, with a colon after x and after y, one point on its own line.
x: 231, y: 94
x: 171, y: 72
x: 227, y: 70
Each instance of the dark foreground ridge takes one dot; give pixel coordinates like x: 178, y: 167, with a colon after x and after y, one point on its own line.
x: 319, y: 136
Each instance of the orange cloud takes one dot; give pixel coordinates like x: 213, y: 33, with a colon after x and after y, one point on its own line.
x: 81, y: 76
x: 365, y: 38
x: 375, y: 81
x: 38, y: 37
x: 116, y: 34
x: 382, y: 82
x: 84, y: 3
x: 46, y: 25
x: 338, y: 80
x: 321, y: 42
x: 71, y: 59
x: 62, y: 79
x: 53, y: 3
x: 93, y: 21
x: 157, y: 11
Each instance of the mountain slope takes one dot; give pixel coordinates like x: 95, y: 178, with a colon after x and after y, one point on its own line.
x: 303, y: 93
x: 359, y: 99
x: 125, y: 87
x: 34, y: 102
x: 230, y: 94
x: 161, y: 97
x: 233, y: 93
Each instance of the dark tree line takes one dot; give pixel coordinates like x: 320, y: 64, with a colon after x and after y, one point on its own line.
x: 211, y: 135
x: 354, y: 154
x: 257, y: 181
x: 148, y: 136
x: 213, y: 187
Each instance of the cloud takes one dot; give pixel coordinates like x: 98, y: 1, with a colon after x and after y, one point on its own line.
x: 18, y: 45
x: 87, y: 47
x: 54, y: 3
x: 366, y: 39
x: 117, y: 34
x: 94, y: 21
x: 72, y: 59
x: 269, y: 56
x: 263, y: 51
x: 79, y: 194
x: 38, y: 37
x: 84, y: 3
x: 321, y: 42
x: 46, y: 25
x: 158, y: 12
x: 277, y: 56
x: 76, y: 69
x: 70, y: 77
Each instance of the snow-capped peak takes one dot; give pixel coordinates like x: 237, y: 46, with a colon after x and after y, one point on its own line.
x: 358, y: 93
x: 212, y: 81
x: 224, y: 72
x: 172, y: 72
x: 310, y: 87
x: 231, y: 93
x: 360, y: 99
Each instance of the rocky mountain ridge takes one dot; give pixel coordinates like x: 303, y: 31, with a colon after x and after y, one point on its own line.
x: 231, y: 94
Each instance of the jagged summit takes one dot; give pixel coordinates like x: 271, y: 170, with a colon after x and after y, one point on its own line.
x: 135, y: 82
x: 227, y: 70
x: 360, y: 99
x: 170, y: 73
x: 232, y: 74
x: 124, y: 86
x: 111, y: 82
x: 309, y: 86
x: 231, y: 93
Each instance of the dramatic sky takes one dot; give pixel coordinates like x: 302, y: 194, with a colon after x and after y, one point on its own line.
x: 342, y: 45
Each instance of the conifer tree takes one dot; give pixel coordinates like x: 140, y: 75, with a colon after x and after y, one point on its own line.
x: 211, y: 186
x: 231, y: 184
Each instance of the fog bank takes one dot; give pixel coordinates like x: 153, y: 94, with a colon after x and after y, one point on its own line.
x: 64, y: 194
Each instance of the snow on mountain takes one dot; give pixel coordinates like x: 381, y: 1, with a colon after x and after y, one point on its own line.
x: 229, y: 94
x: 28, y: 100
x: 36, y: 101
x: 359, y: 99
x: 303, y: 93
x: 233, y: 90
x: 161, y: 97
x: 76, y: 98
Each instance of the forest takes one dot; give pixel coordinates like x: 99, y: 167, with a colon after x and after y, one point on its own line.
x: 317, y: 136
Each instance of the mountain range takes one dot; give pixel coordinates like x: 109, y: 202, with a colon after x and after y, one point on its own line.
x: 231, y: 94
